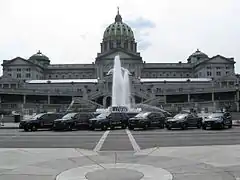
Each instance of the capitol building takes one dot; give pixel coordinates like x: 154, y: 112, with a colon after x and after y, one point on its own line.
x: 198, y: 81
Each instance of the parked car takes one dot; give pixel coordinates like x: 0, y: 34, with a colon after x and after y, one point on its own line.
x: 218, y: 119
x: 183, y: 121
x: 119, y: 119
x: 100, y: 122
x: 40, y: 121
x: 72, y: 121
x: 147, y: 119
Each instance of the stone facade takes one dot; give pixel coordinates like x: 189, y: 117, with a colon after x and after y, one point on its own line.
x: 150, y: 81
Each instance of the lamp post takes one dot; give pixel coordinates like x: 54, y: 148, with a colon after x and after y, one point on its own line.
x: 72, y: 83
x: 49, y: 100
x: 237, y: 96
x: 188, y: 82
x: 213, y: 96
x: 164, y: 92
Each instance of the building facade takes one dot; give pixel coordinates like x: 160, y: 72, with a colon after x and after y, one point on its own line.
x: 35, y: 82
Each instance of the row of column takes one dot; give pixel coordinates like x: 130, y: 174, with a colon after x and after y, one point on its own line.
x: 48, y: 99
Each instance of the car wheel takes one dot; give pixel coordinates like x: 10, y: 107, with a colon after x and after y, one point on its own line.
x: 199, y: 125
x: 104, y: 127
x: 34, y: 128
x: 26, y: 129
x: 161, y: 126
x: 92, y: 128
x: 183, y: 126
x: 145, y: 126
x: 130, y: 128
x: 169, y: 127
x: 124, y: 126
x: 230, y: 126
x: 69, y: 128
x: 204, y: 127
x: 222, y: 126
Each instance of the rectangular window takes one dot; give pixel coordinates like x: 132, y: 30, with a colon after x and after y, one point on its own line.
x: 209, y: 73
x: 218, y: 67
x: 9, y: 70
x: 208, y: 67
x: 18, y: 69
x: 227, y: 67
x: 218, y: 73
x: 18, y: 75
x: 28, y: 69
x: 227, y: 73
x: 9, y: 75
x: 28, y: 75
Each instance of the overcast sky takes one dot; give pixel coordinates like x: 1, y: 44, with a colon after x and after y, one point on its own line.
x: 70, y: 31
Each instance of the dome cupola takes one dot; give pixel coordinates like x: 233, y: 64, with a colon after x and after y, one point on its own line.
x: 40, y: 58
x: 196, y: 56
x: 118, y: 35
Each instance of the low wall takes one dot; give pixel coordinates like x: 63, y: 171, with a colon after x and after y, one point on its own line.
x: 9, y: 118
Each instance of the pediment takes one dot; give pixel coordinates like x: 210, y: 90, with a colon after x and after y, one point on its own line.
x: 220, y: 60
x: 126, y: 55
x: 122, y: 55
x: 18, y: 61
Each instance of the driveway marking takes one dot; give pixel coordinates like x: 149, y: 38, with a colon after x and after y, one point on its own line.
x: 133, y: 141
x: 101, y: 141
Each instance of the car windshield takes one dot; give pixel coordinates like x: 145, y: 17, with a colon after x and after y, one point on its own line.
x: 38, y: 116
x: 101, y: 116
x: 69, y: 115
x: 143, y: 114
x: 215, y: 115
x: 180, y: 116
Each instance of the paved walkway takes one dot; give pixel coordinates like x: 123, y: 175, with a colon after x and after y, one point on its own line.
x: 166, y: 163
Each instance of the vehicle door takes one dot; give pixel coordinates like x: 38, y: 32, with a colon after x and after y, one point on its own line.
x: 49, y: 120
x: 191, y: 120
x: 227, y: 118
x: 45, y: 121
x: 42, y: 120
x: 82, y: 118
x: 153, y: 119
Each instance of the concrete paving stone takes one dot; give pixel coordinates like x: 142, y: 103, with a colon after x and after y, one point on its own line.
x: 205, y: 176
x: 115, y: 174
x: 60, y: 164
x: 25, y: 177
x: 33, y: 170
x: 82, y: 161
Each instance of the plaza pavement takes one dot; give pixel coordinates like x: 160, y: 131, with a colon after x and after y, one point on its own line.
x: 167, y: 163
x: 112, y: 158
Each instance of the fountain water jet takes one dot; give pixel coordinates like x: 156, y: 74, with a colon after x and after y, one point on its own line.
x: 120, y: 86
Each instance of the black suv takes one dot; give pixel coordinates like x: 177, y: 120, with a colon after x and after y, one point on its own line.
x: 184, y: 120
x: 218, y: 119
x: 39, y: 121
x: 118, y: 119
x: 147, y: 119
x: 72, y: 121
x: 100, y: 122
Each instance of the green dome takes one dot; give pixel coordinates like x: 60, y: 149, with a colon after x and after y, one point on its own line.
x: 118, y: 30
x: 199, y: 54
x: 39, y: 56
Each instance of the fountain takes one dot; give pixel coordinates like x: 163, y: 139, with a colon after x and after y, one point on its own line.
x: 120, y: 86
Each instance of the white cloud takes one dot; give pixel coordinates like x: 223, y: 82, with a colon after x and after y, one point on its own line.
x: 70, y: 31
